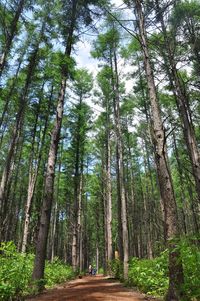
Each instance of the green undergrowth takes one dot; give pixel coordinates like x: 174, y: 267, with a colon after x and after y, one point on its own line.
x: 151, y: 276
x: 16, y: 270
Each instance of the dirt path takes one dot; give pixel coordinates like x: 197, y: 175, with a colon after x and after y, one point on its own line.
x: 96, y: 288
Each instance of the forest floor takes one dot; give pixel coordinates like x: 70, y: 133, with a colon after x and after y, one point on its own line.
x: 91, y: 288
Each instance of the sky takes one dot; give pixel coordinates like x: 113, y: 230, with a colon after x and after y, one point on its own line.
x: 84, y: 59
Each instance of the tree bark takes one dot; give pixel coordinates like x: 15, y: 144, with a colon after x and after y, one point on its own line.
x: 182, y: 104
x: 39, y: 264
x: 118, y: 133
x: 19, y: 122
x: 165, y: 182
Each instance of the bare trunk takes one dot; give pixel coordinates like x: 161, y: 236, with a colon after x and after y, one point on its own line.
x: 54, y: 220
x: 31, y: 187
x: 164, y: 176
x: 39, y: 264
x: 76, y: 211
x: 182, y: 192
x: 80, y: 226
x: 108, y: 194
x: 97, y: 258
x: 33, y: 172
x: 109, y: 204
x: 18, y: 125
x: 104, y: 202
x: 120, y: 164
x: 182, y: 105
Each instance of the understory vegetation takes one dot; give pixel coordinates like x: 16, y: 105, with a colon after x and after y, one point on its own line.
x: 16, y: 269
x: 148, y: 275
x: 151, y: 275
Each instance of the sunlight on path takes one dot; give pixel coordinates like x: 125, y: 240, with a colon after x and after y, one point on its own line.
x: 94, y: 288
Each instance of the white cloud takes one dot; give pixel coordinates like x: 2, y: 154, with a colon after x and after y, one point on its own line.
x: 83, y: 57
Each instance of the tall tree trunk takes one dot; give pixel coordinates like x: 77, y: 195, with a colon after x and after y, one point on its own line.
x: 182, y: 104
x: 39, y: 264
x: 77, y: 196
x: 118, y: 133
x: 11, y: 35
x: 33, y: 172
x: 165, y: 182
x: 19, y: 122
x: 182, y: 192
x: 55, y: 210
x: 109, y: 201
x: 80, y: 224
x: 38, y: 271
x: 108, y: 192
x: 104, y: 205
x: 11, y: 204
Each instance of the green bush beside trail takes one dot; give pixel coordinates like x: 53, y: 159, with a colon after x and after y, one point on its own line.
x: 16, y: 270
x: 151, y: 275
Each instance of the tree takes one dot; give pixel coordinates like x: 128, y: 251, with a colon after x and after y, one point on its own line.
x: 80, y: 118
x: 106, y: 48
x: 78, y: 15
x: 164, y: 176
x: 9, y: 30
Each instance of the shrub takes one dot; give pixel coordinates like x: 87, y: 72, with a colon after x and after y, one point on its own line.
x: 116, y: 268
x: 150, y: 276
x: 57, y: 272
x: 16, y: 271
x: 191, y: 266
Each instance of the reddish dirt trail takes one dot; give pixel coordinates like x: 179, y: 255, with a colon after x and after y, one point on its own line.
x: 96, y: 288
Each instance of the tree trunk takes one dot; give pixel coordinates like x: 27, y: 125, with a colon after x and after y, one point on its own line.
x: 182, y: 104
x: 77, y: 196
x: 33, y: 172
x: 182, y: 192
x: 18, y: 123
x: 55, y: 210
x: 39, y: 264
x: 108, y: 193
x: 80, y: 225
x: 109, y: 202
x: 38, y: 271
x: 120, y: 169
x: 164, y: 176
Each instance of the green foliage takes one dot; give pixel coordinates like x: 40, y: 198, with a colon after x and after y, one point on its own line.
x: 151, y: 276
x: 116, y: 267
x: 16, y: 271
x: 191, y: 265
x: 57, y: 272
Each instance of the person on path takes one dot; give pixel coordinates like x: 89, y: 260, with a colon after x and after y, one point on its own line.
x: 90, y: 269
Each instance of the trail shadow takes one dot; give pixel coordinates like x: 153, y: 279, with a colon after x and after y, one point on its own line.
x: 91, y: 289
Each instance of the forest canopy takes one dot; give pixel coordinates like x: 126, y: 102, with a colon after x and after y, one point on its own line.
x: 100, y: 150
